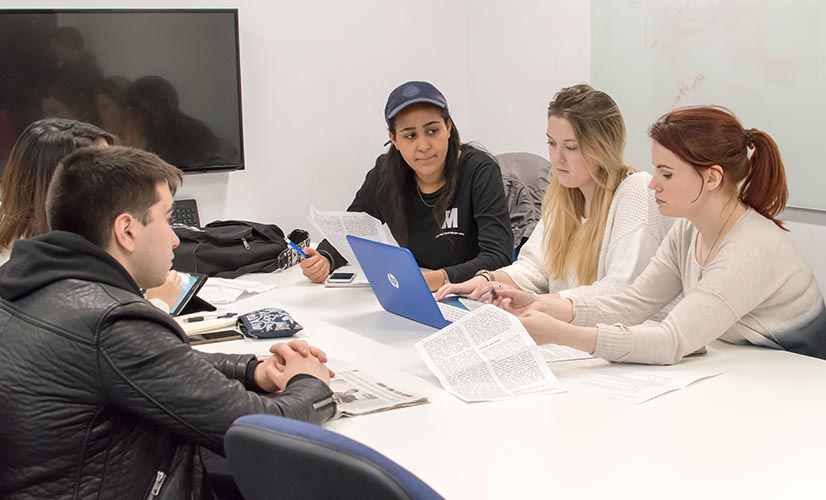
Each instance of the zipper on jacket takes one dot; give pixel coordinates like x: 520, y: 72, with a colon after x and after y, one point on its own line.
x: 156, y: 488
x: 323, y: 403
x: 246, y: 245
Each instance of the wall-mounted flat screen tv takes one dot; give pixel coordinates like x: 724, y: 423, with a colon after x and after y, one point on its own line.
x: 167, y: 81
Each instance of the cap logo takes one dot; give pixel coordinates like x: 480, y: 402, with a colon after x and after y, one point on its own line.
x: 411, y: 91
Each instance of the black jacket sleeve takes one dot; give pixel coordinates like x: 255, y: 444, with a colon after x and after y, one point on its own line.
x: 240, y: 367
x: 149, y: 372
x: 490, y: 211
x: 366, y: 201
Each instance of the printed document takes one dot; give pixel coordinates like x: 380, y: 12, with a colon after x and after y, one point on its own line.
x: 357, y: 393
x: 553, y: 352
x: 487, y: 355
x: 635, y: 383
x: 335, y: 226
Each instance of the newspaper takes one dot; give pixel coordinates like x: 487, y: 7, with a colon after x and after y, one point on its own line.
x: 358, y: 393
x: 335, y: 226
x: 486, y: 356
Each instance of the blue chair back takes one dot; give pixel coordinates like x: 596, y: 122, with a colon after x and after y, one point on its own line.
x: 275, y: 457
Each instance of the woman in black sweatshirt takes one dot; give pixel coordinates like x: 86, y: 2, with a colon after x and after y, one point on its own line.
x: 441, y: 199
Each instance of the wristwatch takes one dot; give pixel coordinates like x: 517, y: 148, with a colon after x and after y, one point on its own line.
x: 447, y: 278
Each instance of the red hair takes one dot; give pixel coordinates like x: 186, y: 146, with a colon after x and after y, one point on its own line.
x: 704, y: 136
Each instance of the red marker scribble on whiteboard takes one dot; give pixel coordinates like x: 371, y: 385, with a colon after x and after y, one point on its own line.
x: 684, y: 88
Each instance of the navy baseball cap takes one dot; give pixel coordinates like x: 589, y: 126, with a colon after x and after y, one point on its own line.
x: 410, y: 93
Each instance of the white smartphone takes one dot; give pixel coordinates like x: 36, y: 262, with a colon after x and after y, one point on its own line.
x: 341, y: 277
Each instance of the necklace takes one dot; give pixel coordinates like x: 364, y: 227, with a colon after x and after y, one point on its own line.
x: 704, y: 263
x: 421, y: 198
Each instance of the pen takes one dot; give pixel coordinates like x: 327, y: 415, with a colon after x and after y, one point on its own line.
x: 205, y: 317
x: 296, y: 248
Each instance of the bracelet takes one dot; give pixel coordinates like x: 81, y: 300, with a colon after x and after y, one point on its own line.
x: 447, y: 278
x: 488, y: 275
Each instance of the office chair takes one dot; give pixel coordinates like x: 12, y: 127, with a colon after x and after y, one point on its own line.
x: 525, y: 178
x: 275, y: 457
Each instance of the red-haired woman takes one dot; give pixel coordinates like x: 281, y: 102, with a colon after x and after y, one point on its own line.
x: 743, y: 280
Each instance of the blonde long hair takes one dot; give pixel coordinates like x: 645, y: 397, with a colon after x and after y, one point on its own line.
x: 570, y: 244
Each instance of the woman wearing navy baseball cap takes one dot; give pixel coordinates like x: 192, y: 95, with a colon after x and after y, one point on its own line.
x: 441, y: 199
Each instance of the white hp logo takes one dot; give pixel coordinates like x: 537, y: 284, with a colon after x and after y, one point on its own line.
x: 393, y: 281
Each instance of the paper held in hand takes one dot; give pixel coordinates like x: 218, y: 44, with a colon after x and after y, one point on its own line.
x: 488, y: 355
x: 358, y: 393
x: 335, y: 226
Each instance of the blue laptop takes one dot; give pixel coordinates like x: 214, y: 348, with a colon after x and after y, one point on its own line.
x: 399, y: 285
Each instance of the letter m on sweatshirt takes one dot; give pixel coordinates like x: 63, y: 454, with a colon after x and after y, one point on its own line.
x: 451, y: 219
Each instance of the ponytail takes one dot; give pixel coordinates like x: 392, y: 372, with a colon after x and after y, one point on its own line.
x: 764, y: 187
x: 704, y: 136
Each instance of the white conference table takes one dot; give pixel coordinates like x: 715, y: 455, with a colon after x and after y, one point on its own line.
x: 756, y: 431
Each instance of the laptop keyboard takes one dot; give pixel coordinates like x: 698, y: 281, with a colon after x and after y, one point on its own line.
x: 451, y: 313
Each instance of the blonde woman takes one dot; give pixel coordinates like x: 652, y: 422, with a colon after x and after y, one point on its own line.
x: 600, y: 224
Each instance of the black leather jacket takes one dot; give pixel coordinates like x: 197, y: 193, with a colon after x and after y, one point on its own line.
x: 99, y: 390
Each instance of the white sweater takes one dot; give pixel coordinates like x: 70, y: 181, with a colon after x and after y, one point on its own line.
x: 758, y: 289
x: 634, y: 230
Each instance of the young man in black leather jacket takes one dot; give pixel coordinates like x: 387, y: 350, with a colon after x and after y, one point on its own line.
x: 102, y: 397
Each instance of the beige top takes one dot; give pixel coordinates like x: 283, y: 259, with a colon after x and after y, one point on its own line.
x: 758, y: 289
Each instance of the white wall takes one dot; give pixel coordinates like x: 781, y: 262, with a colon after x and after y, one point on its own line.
x: 521, y: 53
x: 315, y: 76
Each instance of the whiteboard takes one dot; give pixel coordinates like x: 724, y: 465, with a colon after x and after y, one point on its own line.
x: 763, y: 59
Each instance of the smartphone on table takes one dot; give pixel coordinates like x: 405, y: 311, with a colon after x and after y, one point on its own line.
x: 341, y: 277
x: 210, y: 337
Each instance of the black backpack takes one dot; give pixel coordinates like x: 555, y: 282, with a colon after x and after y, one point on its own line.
x: 228, y: 249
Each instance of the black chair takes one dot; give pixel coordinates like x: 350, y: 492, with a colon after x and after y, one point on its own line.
x: 274, y: 457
